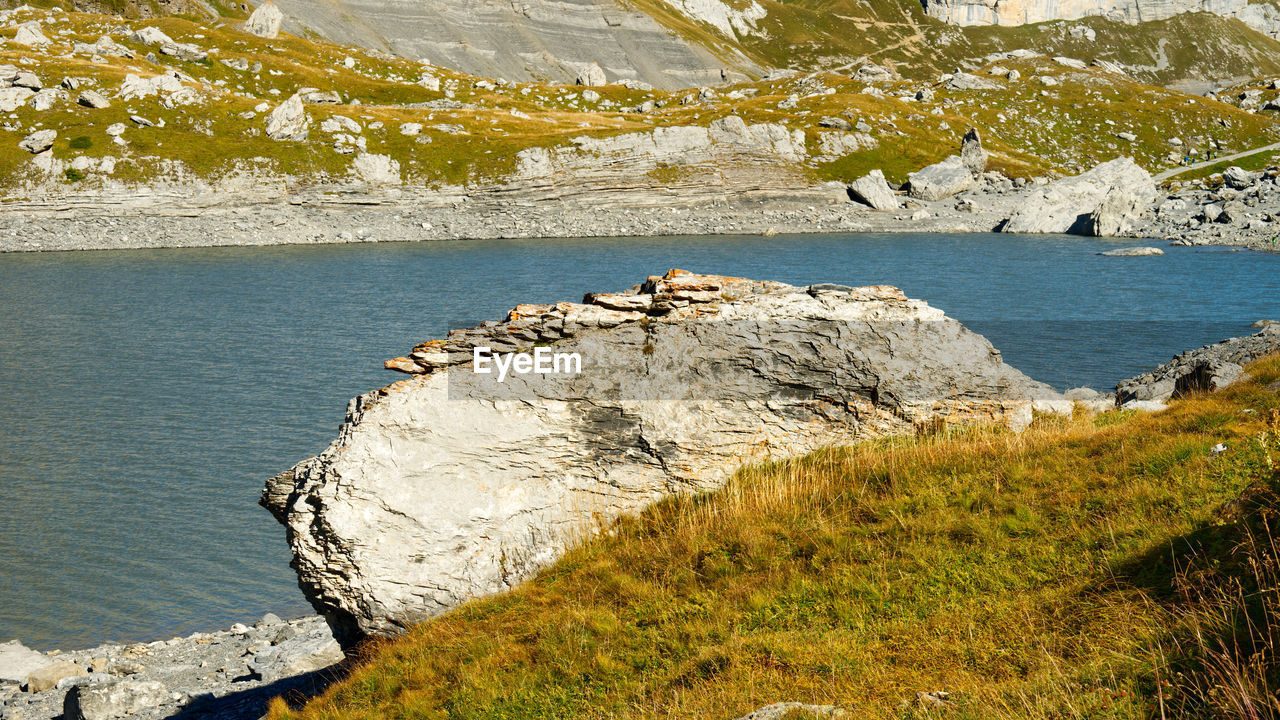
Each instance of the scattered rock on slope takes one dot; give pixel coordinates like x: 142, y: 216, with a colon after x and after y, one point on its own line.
x: 265, y: 21
x: 288, y: 121
x: 38, y: 141
x: 1105, y: 201
x: 29, y: 34
x: 452, y: 484
x: 93, y: 99
x: 592, y: 76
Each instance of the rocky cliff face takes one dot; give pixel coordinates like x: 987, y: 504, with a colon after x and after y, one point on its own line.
x: 1023, y: 12
x: 450, y: 484
x: 522, y: 40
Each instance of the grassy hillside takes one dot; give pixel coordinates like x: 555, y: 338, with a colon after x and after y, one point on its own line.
x: 1104, y: 566
x: 808, y: 34
x: 473, y: 129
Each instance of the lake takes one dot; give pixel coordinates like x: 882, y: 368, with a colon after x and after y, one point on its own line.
x: 147, y: 394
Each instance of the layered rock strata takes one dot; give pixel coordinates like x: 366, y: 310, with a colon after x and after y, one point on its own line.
x: 450, y: 484
x: 1260, y: 16
x: 528, y: 40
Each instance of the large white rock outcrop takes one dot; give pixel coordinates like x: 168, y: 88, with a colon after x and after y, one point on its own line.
x: 264, y: 21
x: 1107, y: 200
x: 1023, y: 12
x: 450, y: 484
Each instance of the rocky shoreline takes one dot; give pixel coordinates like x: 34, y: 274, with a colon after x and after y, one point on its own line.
x: 228, y: 674
x: 1244, y: 211
x: 233, y: 674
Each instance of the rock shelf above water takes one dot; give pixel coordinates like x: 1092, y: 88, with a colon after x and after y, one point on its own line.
x: 448, y: 485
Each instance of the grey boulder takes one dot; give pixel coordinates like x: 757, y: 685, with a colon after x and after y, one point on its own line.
x: 289, y: 120
x: 1239, y: 178
x: 453, y: 484
x: 1133, y: 252
x: 940, y: 180
x: 93, y: 99
x: 17, y: 661
x: 1103, y: 201
x: 873, y: 190
x: 107, y: 701
x: 38, y: 141
x: 264, y: 21
x: 297, y: 655
x: 972, y: 154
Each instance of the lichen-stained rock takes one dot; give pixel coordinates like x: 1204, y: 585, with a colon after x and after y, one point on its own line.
x: 1103, y: 201
x: 450, y: 484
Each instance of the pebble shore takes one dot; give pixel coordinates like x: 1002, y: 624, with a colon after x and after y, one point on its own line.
x: 408, y: 218
x: 225, y: 675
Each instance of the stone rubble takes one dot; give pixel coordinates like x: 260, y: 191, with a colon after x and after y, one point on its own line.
x: 1211, y: 367
x: 229, y: 674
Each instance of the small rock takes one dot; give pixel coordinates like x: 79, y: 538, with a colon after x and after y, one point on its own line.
x: 1133, y: 252
x: 39, y: 141
x: 591, y: 76
x: 125, y: 668
x: 112, y: 700
x: 268, y: 620
x: 778, y: 711
x: 17, y: 661
x: 47, y: 677
x: 93, y: 99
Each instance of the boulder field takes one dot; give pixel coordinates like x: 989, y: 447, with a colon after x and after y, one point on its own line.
x: 451, y: 484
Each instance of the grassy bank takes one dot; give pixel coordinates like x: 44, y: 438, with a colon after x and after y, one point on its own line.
x: 1085, y: 568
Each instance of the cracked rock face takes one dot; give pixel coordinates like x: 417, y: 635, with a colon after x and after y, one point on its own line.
x: 450, y: 485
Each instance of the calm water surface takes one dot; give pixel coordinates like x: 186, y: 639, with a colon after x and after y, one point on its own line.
x: 147, y: 394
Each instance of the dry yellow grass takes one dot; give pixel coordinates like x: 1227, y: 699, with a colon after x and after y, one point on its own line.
x: 1032, y: 575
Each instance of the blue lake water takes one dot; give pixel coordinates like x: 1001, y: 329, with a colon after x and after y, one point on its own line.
x: 147, y: 394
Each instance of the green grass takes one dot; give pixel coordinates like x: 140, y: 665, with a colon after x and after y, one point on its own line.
x: 1030, y: 129
x: 1032, y: 575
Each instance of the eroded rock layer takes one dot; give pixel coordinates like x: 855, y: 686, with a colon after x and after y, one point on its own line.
x: 450, y: 485
x: 530, y: 40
